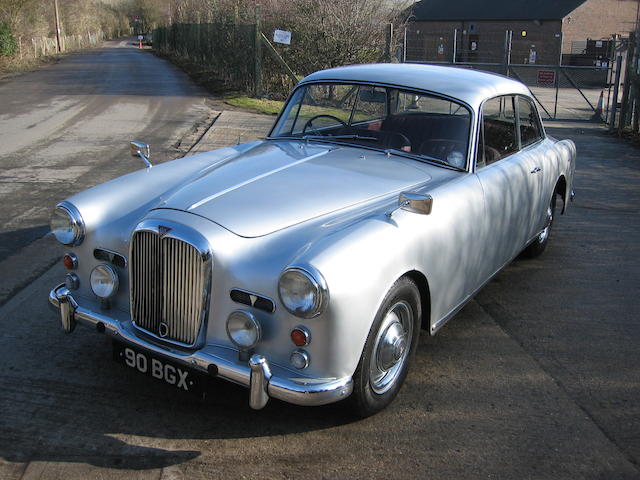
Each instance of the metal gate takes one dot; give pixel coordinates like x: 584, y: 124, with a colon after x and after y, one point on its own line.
x: 569, y: 86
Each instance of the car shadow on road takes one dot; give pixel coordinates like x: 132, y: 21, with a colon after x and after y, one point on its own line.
x: 13, y: 240
x: 64, y: 400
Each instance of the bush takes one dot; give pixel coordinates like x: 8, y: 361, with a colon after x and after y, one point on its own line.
x: 8, y: 44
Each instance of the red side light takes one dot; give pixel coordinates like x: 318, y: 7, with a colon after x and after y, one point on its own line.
x: 70, y: 262
x: 299, y: 337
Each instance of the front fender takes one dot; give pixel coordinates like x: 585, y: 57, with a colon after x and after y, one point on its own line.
x: 359, y: 264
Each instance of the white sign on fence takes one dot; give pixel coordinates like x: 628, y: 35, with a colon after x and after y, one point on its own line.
x: 282, y: 36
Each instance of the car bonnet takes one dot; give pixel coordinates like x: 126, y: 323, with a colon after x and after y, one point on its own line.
x: 282, y: 183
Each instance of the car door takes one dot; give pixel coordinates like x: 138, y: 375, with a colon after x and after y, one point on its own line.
x: 531, y: 136
x: 509, y: 186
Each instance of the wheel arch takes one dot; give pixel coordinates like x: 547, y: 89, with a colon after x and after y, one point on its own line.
x: 425, y: 297
x: 561, y: 189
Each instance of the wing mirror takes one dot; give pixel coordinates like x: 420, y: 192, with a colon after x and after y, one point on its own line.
x: 142, y: 150
x: 415, y: 203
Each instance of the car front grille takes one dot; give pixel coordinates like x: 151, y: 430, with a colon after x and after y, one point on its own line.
x: 170, y: 286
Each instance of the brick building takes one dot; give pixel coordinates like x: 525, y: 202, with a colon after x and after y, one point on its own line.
x: 517, y: 31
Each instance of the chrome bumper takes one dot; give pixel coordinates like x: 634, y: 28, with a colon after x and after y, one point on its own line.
x: 256, y: 374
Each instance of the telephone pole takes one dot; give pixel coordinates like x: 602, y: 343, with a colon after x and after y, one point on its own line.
x: 55, y: 6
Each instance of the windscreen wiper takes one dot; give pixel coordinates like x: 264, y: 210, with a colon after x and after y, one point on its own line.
x: 340, y: 137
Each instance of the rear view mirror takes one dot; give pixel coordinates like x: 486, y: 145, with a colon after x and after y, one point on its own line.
x: 373, y: 95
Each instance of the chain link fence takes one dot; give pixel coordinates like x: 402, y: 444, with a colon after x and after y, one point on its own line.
x: 571, y: 86
x: 221, y: 54
x: 239, y: 57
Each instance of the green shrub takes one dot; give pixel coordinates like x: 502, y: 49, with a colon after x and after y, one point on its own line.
x: 8, y: 44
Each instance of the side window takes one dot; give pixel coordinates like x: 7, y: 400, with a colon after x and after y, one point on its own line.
x: 530, y: 129
x: 498, y: 137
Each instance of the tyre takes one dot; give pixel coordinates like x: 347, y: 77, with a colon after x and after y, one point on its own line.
x: 536, y: 247
x: 388, y: 350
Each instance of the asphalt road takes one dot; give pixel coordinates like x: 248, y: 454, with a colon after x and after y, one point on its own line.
x: 537, y: 378
x: 67, y: 126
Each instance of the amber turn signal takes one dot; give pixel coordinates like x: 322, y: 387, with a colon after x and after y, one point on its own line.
x: 70, y: 261
x: 300, y: 336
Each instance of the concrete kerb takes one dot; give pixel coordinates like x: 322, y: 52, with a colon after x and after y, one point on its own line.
x: 233, y: 127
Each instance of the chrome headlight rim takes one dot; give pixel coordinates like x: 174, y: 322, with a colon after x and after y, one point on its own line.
x: 112, y: 274
x: 315, y: 278
x: 76, y: 223
x: 251, y: 318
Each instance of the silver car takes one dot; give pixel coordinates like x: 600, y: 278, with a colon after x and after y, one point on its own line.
x: 305, y: 266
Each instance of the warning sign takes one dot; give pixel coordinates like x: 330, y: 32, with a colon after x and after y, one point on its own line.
x: 547, y: 77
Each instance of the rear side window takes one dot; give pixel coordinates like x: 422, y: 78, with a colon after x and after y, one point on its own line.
x: 498, y: 136
x: 530, y: 129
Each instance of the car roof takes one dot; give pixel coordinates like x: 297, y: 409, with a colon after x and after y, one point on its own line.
x: 470, y: 86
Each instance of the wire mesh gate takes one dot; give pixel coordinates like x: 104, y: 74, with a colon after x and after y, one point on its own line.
x: 575, y: 86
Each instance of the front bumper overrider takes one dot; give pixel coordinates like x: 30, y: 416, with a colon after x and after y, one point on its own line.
x: 257, y: 374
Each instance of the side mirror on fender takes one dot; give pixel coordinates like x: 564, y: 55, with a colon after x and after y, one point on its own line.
x: 415, y: 202
x: 142, y: 150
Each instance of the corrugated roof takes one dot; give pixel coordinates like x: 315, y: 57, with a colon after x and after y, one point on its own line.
x: 470, y: 10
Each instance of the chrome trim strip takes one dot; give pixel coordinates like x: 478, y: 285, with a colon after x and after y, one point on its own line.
x: 299, y: 391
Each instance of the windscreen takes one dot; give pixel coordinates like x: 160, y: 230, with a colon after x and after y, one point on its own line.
x: 379, y: 117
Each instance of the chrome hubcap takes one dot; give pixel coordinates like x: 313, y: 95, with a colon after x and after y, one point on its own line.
x: 391, y: 347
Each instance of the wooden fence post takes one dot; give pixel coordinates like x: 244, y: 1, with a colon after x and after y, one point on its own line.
x: 626, y: 97
x: 388, y: 42
x: 635, y: 85
x: 257, y: 46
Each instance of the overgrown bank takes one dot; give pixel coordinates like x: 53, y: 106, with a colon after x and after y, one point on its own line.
x: 235, y: 50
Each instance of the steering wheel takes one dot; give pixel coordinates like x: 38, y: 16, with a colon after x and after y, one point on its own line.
x: 310, y: 121
x: 442, y: 147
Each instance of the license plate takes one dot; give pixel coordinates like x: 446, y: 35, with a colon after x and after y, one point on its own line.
x: 167, y: 372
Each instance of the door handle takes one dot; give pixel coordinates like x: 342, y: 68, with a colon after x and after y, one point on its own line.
x: 536, y: 170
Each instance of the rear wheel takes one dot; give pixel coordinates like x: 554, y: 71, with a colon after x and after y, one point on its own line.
x: 389, y: 347
x: 542, y: 239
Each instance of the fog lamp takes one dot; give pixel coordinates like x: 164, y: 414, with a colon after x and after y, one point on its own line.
x: 243, y: 329
x: 104, y: 281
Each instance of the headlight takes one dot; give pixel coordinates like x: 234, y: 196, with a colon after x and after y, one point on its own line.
x: 67, y: 224
x: 104, y: 281
x: 243, y: 329
x: 303, y: 293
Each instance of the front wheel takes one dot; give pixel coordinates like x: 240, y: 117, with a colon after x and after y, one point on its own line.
x: 389, y: 347
x: 536, y: 247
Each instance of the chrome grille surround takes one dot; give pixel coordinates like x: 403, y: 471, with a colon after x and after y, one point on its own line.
x: 170, y: 269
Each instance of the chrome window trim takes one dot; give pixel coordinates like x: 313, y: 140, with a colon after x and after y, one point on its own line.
x: 540, y: 126
x: 479, y: 127
x: 185, y: 234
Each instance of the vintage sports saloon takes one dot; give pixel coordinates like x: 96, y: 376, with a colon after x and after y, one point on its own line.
x: 304, y: 266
